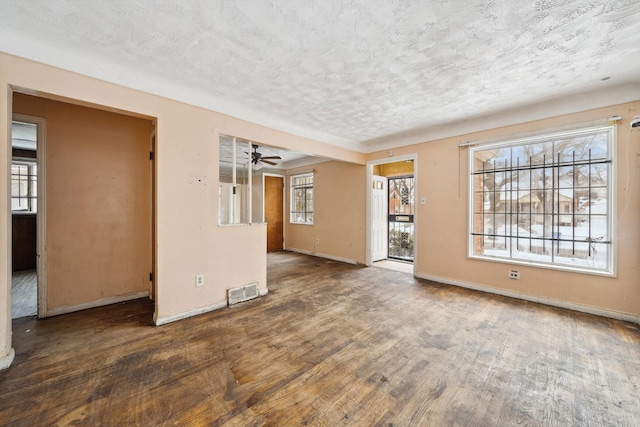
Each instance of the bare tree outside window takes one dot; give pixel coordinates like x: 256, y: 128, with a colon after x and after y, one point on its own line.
x: 545, y: 200
x: 302, y: 199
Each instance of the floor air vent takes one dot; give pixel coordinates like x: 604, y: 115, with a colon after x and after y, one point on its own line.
x: 244, y: 293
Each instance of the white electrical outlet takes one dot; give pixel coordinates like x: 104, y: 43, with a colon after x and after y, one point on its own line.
x: 514, y: 274
x: 317, y: 241
x: 199, y: 279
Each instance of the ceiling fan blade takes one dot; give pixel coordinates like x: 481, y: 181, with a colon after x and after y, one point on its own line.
x: 268, y: 162
x: 271, y: 157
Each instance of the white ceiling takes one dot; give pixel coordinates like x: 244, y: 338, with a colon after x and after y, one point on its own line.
x: 363, y: 74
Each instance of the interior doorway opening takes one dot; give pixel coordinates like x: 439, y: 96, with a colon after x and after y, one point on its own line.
x: 391, y: 213
x: 93, y: 245
x: 26, y: 140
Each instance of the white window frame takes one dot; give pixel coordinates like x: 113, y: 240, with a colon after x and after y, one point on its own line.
x: 292, y: 199
x: 32, y: 178
x: 240, y: 196
x: 610, y: 269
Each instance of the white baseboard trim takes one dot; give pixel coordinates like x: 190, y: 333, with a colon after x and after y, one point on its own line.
x: 93, y: 304
x: 541, y: 300
x: 201, y: 310
x: 7, y: 360
x: 321, y: 255
x: 196, y: 311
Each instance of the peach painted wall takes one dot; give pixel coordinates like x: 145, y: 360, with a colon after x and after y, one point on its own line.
x: 339, y: 213
x: 442, y: 222
x: 98, y: 201
x: 188, y: 239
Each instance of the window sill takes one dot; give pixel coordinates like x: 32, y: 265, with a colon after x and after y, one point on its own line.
x: 246, y: 224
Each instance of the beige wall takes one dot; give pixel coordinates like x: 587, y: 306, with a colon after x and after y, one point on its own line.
x: 188, y: 239
x: 339, y: 214
x: 98, y: 218
x: 442, y: 222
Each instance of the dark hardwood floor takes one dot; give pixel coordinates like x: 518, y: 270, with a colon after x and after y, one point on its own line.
x: 332, y: 344
x: 24, y: 294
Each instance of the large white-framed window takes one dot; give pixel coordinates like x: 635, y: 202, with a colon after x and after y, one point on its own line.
x: 545, y: 200
x: 301, y: 200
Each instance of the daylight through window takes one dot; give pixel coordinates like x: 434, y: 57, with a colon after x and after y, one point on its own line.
x: 24, y: 186
x: 302, y: 199
x: 545, y: 200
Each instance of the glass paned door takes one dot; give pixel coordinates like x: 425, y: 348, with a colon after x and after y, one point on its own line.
x: 401, y: 211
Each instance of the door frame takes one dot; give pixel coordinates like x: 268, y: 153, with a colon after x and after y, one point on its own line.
x: 284, y: 204
x: 369, y: 216
x: 41, y: 223
x: 152, y: 211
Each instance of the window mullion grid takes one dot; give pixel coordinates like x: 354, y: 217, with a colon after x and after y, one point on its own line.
x: 553, y: 203
x: 306, y: 205
x: 573, y: 204
x: 530, y: 203
x: 30, y: 177
x: 483, y: 197
x: 504, y: 178
x: 589, y: 210
x: 558, y: 206
x: 495, y: 204
x: 517, y: 203
x: 561, y: 194
x: 544, y: 202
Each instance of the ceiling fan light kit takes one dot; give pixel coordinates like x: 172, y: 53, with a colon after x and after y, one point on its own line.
x: 257, y: 157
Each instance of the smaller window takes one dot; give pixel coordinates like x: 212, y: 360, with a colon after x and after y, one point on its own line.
x: 24, y: 186
x: 302, y: 199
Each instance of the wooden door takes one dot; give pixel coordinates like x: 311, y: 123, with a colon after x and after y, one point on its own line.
x: 273, y: 212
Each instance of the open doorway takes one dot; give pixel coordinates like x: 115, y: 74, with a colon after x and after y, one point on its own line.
x: 391, y: 213
x: 26, y: 188
x: 94, y: 244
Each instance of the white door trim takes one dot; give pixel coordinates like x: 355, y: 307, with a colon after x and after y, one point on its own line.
x: 370, y: 165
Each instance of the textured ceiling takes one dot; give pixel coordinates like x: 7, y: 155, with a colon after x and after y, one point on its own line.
x: 356, y: 73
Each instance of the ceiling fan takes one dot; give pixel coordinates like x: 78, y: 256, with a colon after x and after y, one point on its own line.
x: 258, y: 157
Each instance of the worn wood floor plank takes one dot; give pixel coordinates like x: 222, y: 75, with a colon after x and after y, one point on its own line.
x: 331, y: 344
